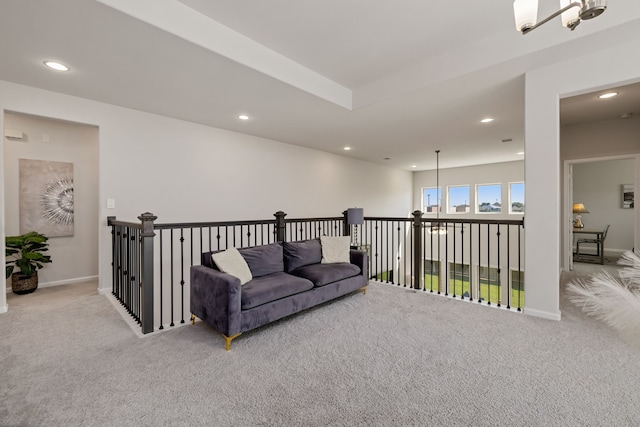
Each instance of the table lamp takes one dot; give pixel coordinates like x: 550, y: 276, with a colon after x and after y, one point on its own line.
x: 578, y: 208
x: 355, y: 216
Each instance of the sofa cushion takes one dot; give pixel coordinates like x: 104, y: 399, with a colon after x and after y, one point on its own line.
x: 271, y: 287
x: 335, y: 249
x: 265, y: 259
x: 323, y: 274
x: 231, y: 262
x: 298, y: 254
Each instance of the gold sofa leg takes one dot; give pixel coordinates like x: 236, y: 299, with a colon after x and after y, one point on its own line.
x: 364, y: 290
x: 193, y: 319
x: 227, y: 340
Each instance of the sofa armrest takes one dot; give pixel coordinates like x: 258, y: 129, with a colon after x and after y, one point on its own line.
x: 215, y: 298
x: 359, y: 258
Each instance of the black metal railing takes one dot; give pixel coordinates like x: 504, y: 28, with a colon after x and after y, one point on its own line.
x: 473, y: 259
x: 476, y: 260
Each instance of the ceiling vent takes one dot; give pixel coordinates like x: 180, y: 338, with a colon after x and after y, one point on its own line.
x: 506, y: 140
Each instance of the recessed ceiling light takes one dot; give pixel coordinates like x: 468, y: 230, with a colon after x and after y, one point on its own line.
x: 626, y: 115
x: 243, y: 117
x: 520, y: 153
x: 414, y: 166
x: 347, y: 148
x: 608, y: 95
x: 486, y: 120
x: 56, y: 66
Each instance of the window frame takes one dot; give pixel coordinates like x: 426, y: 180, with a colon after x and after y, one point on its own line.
x: 478, y: 201
x: 450, y: 209
x: 524, y: 206
x: 438, y: 190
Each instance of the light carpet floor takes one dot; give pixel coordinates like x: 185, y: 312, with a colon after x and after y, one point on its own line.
x: 392, y: 357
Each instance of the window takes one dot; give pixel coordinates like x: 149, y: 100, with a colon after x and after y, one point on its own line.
x: 517, y: 288
x: 516, y: 197
x: 458, y: 199
x: 430, y: 200
x: 459, y: 279
x: 489, y: 285
x: 489, y: 198
x: 431, y: 275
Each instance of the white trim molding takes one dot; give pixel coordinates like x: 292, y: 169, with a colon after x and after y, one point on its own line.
x: 542, y: 314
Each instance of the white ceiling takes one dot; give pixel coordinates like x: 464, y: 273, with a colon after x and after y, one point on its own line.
x: 391, y: 79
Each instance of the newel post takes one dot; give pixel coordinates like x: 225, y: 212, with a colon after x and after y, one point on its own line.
x: 281, y: 231
x: 346, y: 229
x: 146, y: 282
x: 417, y: 249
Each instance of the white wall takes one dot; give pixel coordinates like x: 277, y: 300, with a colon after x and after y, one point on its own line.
x: 597, y: 141
x: 495, y: 173
x: 182, y: 171
x: 543, y: 88
x: 598, y: 185
x: 600, y: 139
x: 74, y: 257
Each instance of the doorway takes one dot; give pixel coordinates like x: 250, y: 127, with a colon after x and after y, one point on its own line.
x: 34, y: 138
x: 598, y: 184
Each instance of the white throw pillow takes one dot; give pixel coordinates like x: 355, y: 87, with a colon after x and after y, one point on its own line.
x: 231, y: 262
x: 335, y: 249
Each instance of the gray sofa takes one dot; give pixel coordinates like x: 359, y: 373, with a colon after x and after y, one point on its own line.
x: 287, y: 278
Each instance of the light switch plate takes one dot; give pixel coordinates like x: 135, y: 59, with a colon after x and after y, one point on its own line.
x: 111, y: 203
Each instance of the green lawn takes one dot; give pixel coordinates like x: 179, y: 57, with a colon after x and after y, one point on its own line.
x: 489, y: 293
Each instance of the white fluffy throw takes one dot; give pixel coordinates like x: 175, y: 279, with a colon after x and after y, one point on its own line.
x: 616, y: 301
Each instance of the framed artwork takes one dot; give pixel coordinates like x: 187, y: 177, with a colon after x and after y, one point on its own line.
x: 46, y: 197
x: 627, y: 196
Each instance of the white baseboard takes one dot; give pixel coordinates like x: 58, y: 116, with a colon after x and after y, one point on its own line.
x: 104, y: 291
x: 542, y: 314
x: 135, y: 327
x: 67, y: 281
x: 60, y: 282
x: 4, y: 308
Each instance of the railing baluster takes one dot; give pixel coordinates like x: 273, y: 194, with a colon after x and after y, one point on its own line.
x: 520, y: 293
x: 182, y: 275
x: 171, y: 276
x: 509, y: 282
x: 161, y: 281
x: 471, y: 282
x: 498, y: 265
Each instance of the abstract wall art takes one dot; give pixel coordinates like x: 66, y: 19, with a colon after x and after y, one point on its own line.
x: 46, y: 197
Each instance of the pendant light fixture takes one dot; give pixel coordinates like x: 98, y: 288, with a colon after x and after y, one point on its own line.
x: 438, y: 228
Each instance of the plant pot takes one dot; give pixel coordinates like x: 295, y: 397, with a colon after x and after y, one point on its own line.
x: 22, y: 284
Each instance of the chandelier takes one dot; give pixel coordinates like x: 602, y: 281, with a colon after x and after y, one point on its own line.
x: 573, y: 12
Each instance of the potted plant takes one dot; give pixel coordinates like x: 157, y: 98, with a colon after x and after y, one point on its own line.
x: 26, y: 253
